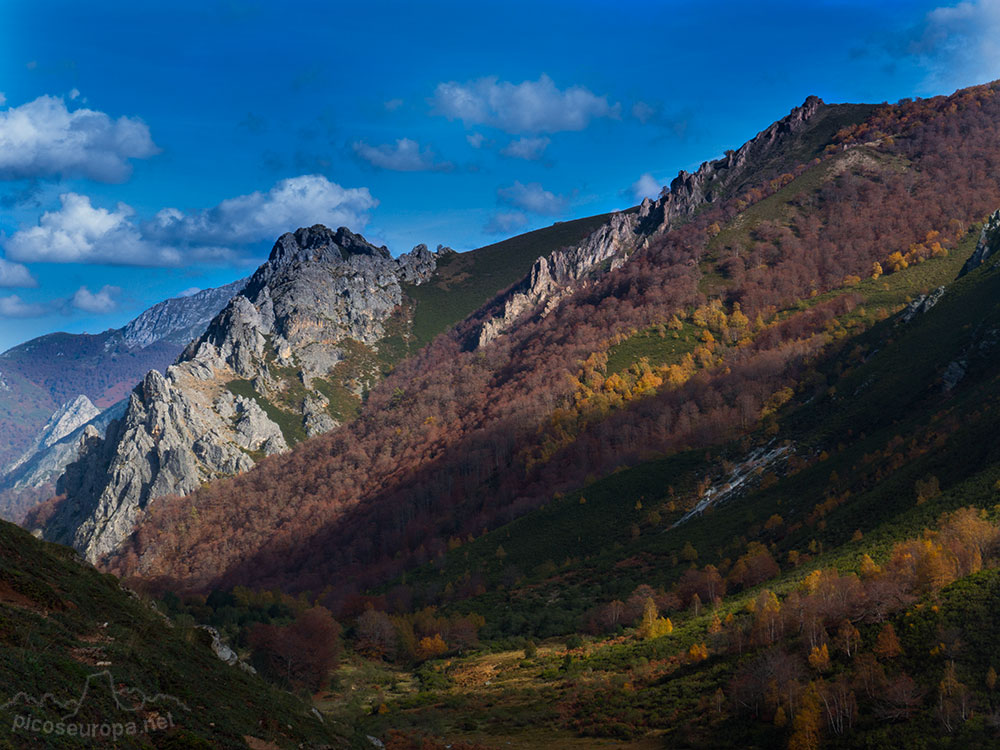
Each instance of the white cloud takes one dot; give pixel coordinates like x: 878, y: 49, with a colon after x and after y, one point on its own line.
x: 3, y: 99
x: 958, y: 45
x: 103, y: 301
x: 80, y: 233
x: 533, y: 197
x: 14, y: 307
x: 393, y: 104
x: 403, y: 156
x: 527, y: 107
x: 526, y: 148
x: 475, y: 139
x: 14, y: 274
x: 190, y: 291
x: 646, y: 186
x: 505, y: 222
x: 44, y: 139
x: 290, y: 204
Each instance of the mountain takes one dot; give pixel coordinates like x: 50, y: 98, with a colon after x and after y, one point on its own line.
x: 292, y: 356
x: 179, y: 320
x: 729, y: 484
x: 719, y: 470
x: 729, y: 305
x: 460, y: 420
x: 43, y: 376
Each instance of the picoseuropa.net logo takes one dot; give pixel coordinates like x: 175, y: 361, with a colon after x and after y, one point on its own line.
x: 134, y: 712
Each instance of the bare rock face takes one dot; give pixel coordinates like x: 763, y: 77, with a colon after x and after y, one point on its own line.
x: 989, y: 243
x: 689, y: 191
x: 250, y: 386
x: 552, y: 278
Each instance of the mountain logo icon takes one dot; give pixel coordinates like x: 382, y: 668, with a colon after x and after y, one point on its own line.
x: 135, y: 711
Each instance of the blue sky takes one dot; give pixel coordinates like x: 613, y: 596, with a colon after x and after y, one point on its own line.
x: 148, y: 149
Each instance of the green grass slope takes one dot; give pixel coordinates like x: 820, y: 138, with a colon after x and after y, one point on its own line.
x: 465, y: 281
x: 64, y: 626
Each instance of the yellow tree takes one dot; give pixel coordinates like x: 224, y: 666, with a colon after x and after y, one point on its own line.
x: 807, y: 723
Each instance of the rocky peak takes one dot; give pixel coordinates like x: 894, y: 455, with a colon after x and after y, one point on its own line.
x: 318, y: 243
x: 70, y: 416
x: 256, y: 381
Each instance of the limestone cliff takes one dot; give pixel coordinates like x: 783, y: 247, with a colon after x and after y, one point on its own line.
x: 259, y: 379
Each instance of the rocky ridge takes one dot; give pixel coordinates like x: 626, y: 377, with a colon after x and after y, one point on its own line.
x: 48, y: 462
x: 41, y: 375
x: 607, y: 248
x: 251, y: 385
x: 178, y: 320
x: 66, y: 419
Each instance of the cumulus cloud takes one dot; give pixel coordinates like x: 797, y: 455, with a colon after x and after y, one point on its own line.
x: 505, y: 222
x: 646, y: 186
x: 532, y: 197
x: 292, y: 203
x: 14, y: 274
x: 44, y: 138
x: 405, y: 155
x: 14, y: 307
x: 103, y: 301
x: 475, y: 139
x: 959, y: 45
x: 79, y: 232
x: 527, y: 148
x: 527, y: 107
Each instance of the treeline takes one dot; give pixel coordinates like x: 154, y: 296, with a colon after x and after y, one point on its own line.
x: 442, y: 447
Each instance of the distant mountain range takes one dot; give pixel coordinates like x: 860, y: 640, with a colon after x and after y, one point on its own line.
x: 53, y: 385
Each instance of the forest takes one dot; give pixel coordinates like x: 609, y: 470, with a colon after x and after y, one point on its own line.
x: 456, y: 441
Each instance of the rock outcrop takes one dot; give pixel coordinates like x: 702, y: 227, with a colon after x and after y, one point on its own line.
x: 607, y: 248
x: 254, y: 383
x: 552, y: 277
x: 921, y: 304
x: 989, y: 243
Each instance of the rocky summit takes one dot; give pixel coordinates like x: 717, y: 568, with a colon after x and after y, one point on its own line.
x: 305, y: 332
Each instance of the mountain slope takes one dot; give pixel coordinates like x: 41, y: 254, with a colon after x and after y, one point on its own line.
x: 445, y: 446
x: 64, y: 628
x: 862, y: 523
x: 295, y: 362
